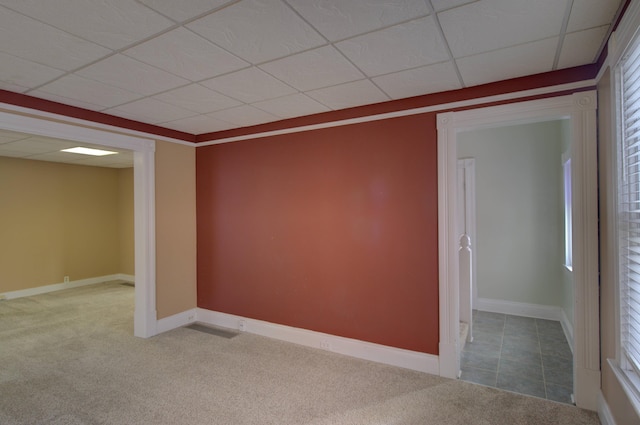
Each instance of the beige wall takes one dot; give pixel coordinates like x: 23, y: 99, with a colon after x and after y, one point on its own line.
x: 57, y: 220
x: 615, y: 397
x: 175, y: 228
x: 126, y: 233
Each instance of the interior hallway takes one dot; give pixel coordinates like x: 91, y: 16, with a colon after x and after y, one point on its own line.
x: 520, y: 354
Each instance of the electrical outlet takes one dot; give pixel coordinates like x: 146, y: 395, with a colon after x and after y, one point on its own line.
x: 66, y: 279
x: 325, y: 345
x: 242, y: 325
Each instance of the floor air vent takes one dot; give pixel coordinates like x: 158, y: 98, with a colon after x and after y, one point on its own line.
x: 213, y: 331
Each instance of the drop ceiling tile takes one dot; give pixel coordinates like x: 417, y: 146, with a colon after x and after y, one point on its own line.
x: 591, y: 13
x: 7, y: 136
x: 187, y: 55
x: 313, y: 69
x: 12, y: 153
x: 105, y: 161
x: 581, y: 47
x: 58, y: 156
x: 32, y: 40
x: 258, y: 30
x: 24, y: 73
x: 337, y: 19
x: 197, y: 98
x: 81, y: 89
x: 37, y: 145
x: 440, y: 5
x: 183, y: 10
x: 295, y: 105
x: 407, y: 45
x: 199, y: 124
x: 244, y: 116
x: 65, y: 100
x: 249, y: 85
x: 110, y: 23
x: 418, y: 81
x: 150, y: 110
x: 13, y: 87
x: 126, y: 73
x: 511, y: 62
x: 349, y: 95
x: 494, y: 24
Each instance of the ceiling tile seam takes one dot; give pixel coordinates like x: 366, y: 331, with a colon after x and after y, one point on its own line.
x: 563, y: 31
x: 507, y: 47
x: 436, y: 20
x: 193, y: 18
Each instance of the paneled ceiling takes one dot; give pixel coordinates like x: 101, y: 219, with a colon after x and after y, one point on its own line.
x: 201, y: 66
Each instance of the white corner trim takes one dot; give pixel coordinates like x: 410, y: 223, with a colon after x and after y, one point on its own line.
x: 408, y: 359
x: 59, y: 286
x: 567, y: 327
x: 537, y: 311
x: 176, y: 321
x: 604, y: 412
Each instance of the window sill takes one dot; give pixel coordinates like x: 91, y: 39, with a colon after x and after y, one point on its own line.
x: 630, y: 383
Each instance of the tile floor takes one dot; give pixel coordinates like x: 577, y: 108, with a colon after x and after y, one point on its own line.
x: 520, y: 354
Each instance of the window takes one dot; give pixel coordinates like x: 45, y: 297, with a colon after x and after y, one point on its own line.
x: 628, y: 216
x: 568, y: 226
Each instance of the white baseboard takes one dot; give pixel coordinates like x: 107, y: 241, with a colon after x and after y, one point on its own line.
x: 351, y: 347
x: 61, y: 286
x: 536, y: 311
x: 604, y: 413
x: 126, y: 277
x: 176, y: 321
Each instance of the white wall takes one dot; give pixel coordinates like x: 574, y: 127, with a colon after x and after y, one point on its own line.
x: 519, y: 203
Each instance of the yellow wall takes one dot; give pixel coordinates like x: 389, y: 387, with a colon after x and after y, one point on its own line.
x: 57, y: 220
x: 615, y: 397
x: 126, y: 242
x: 175, y: 228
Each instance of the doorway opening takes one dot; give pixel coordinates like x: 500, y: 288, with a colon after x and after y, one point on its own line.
x: 144, y: 198
x: 580, y: 111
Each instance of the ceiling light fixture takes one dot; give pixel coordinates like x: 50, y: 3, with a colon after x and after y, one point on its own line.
x: 89, y: 151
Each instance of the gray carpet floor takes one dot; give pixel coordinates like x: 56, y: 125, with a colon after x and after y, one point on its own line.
x: 70, y: 358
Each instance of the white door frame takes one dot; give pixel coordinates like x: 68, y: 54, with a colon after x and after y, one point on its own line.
x: 468, y: 167
x: 145, y: 323
x: 581, y: 109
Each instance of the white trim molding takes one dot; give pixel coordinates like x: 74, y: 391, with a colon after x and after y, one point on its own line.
x: 581, y: 109
x: 177, y: 320
x: 144, y: 198
x: 604, y: 412
x: 408, y: 359
x: 61, y: 286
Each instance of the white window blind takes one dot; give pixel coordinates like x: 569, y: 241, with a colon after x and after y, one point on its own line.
x: 629, y: 207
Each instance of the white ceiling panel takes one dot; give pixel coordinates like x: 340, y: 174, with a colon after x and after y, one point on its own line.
x: 356, y: 93
x: 151, y: 110
x: 187, y: 55
x: 24, y: 73
x: 32, y: 40
x: 581, y: 46
x: 489, y: 25
x: 37, y: 144
x: 258, y: 30
x: 129, y: 74
x: 407, y: 45
x: 201, y: 66
x: 313, y: 69
x: 244, y: 115
x: 295, y: 105
x: 440, y: 5
x: 197, y: 98
x: 417, y: 81
x: 66, y: 100
x: 7, y: 136
x: 339, y: 19
x: 79, y: 88
x: 199, y: 124
x: 110, y: 23
x: 184, y: 9
x: 591, y: 13
x: 512, y: 62
x: 249, y: 85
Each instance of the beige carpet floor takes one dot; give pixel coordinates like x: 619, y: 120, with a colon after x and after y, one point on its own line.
x: 70, y: 358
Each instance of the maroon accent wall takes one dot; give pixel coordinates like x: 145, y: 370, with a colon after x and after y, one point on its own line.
x: 333, y: 230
